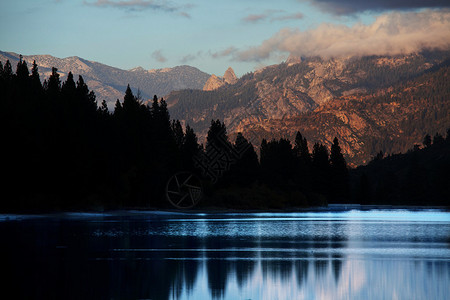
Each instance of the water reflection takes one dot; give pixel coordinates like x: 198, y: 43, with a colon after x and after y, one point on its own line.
x: 357, y: 255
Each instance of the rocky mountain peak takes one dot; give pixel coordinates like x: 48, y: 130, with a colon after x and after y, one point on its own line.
x: 229, y: 76
x: 214, y: 82
x: 137, y: 69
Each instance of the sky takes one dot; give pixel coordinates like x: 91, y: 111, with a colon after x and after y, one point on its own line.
x: 213, y: 35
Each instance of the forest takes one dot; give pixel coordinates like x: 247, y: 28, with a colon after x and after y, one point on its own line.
x: 64, y: 151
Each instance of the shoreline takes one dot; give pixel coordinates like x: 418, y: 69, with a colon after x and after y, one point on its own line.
x: 135, y: 211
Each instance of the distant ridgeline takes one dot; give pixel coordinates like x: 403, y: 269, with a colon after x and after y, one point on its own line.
x: 63, y: 151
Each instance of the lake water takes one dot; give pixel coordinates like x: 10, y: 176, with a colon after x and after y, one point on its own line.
x: 390, y: 254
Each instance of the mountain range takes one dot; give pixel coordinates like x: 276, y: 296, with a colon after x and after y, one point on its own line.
x: 372, y: 103
x: 110, y: 83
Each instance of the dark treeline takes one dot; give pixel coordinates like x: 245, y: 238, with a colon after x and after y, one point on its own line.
x: 286, y: 175
x: 419, y: 177
x: 63, y: 151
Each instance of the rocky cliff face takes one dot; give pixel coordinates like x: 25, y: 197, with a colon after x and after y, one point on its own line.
x: 215, y: 82
x: 391, y: 120
x: 321, y: 98
x: 229, y: 76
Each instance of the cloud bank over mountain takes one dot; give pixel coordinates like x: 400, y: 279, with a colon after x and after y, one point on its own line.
x: 390, y: 34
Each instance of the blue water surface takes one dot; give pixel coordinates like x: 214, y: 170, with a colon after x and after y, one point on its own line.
x: 349, y: 254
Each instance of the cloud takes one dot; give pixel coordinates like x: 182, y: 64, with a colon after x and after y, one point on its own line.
x: 346, y: 7
x: 295, y: 16
x: 271, y: 16
x: 190, y: 57
x: 227, y: 52
x: 255, y: 18
x: 157, y: 55
x: 389, y: 34
x: 140, y: 5
x: 184, y: 14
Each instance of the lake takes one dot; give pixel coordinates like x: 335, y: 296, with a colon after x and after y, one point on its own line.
x: 350, y: 254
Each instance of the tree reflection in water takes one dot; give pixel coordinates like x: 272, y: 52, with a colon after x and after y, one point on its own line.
x: 335, y: 256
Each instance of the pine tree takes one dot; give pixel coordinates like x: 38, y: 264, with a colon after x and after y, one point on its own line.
x: 303, y: 173
x: 320, y: 158
x: 321, y: 169
x: 263, y: 152
x: 337, y: 160
x: 155, y: 107
x: 301, y: 148
x: 103, y: 109
x: 8, y: 74
x: 22, y: 70
x: 339, y: 173
x: 177, y: 131
x: 189, y: 149
x: 86, y: 97
x: 68, y: 87
x: 118, y: 109
x: 217, y: 136
x: 246, y: 168
x: 129, y: 101
x: 54, y: 83
x: 164, y: 118
x: 35, y: 80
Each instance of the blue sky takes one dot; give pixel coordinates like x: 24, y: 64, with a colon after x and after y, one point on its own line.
x: 210, y: 35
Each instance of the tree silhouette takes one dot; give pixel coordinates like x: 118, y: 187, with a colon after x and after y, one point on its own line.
x: 22, y: 70
x: 321, y: 169
x: 7, y: 71
x: 301, y: 149
x: 35, y: 79
x: 94, y: 158
x: 190, y: 148
x: 304, y: 163
x: 339, y: 173
x: 278, y: 162
x: 178, y: 133
x: 244, y: 171
x: 217, y: 135
x: 54, y: 83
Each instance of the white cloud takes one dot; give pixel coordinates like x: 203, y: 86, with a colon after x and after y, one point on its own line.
x: 389, y: 34
x: 227, y: 52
